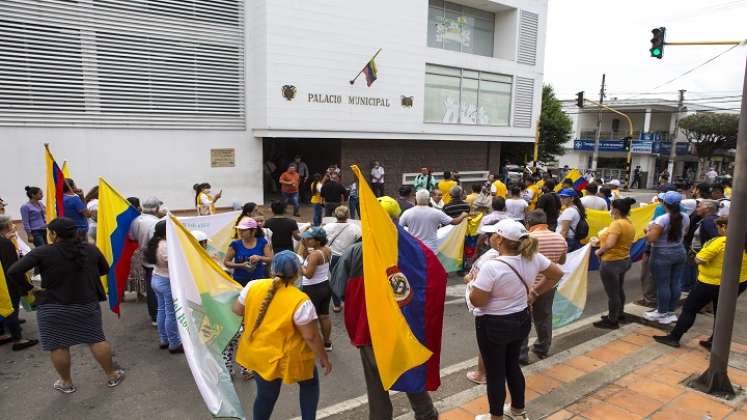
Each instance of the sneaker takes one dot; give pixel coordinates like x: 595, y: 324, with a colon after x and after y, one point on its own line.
x: 606, y: 324
x: 667, y: 319
x: 328, y: 346
x: 667, y: 339
x: 163, y: 346
x: 177, y: 350
x: 153, y: 324
x: 654, y: 315
x: 63, y: 387
x: 507, y: 413
x: 474, y: 376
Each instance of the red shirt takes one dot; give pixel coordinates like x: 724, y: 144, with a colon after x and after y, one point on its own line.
x: 289, y: 177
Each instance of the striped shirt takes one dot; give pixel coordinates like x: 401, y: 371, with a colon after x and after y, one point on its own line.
x: 552, y: 245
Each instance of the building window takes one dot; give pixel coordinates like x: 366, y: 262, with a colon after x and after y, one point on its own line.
x: 460, y: 28
x: 460, y: 96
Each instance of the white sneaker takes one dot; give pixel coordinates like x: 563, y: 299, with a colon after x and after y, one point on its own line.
x: 507, y: 413
x: 654, y: 315
x: 668, y: 319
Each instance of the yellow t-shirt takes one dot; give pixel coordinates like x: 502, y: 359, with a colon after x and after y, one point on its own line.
x: 500, y: 189
x: 445, y: 187
x: 625, y: 234
x: 727, y: 192
x: 713, y: 255
x: 535, y: 195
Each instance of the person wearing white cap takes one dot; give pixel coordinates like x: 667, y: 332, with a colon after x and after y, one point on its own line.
x: 201, y: 237
x: 668, y: 257
x: 501, y: 294
x: 615, y: 185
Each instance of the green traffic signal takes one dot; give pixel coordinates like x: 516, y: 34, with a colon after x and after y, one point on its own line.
x: 657, y: 42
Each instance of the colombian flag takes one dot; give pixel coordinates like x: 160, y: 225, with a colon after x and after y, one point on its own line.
x: 55, y: 181
x: 405, y: 287
x: 579, y: 182
x: 65, y: 169
x: 115, y: 216
x: 370, y: 72
x: 640, y: 217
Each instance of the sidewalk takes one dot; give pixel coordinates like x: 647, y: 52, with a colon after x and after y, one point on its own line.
x: 623, y: 375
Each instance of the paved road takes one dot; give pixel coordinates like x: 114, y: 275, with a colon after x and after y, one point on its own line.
x: 160, y: 385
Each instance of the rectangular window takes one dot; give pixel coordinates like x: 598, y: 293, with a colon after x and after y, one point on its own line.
x: 460, y: 96
x: 460, y: 28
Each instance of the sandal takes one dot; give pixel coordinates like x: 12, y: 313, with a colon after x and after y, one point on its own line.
x: 63, y: 387
x: 111, y: 383
x: 20, y: 345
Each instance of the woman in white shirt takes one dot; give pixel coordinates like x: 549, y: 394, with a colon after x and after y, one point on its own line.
x: 315, y: 282
x: 516, y: 207
x: 570, y: 217
x: 341, y: 235
x: 501, y: 294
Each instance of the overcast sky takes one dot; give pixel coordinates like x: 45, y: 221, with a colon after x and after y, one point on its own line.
x: 586, y: 38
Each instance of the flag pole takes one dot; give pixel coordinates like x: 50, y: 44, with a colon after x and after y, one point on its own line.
x: 359, y: 73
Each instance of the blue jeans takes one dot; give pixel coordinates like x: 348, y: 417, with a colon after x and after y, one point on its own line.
x: 39, y: 237
x: 355, y: 211
x: 332, y: 263
x: 573, y: 244
x: 317, y: 219
x: 268, y: 391
x: 165, y: 315
x: 667, y: 266
x: 292, y: 198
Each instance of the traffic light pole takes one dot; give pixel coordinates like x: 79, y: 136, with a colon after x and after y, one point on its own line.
x: 715, y: 380
x: 673, y: 152
x: 595, y: 153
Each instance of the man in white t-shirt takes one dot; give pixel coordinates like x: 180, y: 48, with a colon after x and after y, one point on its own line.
x: 377, y: 179
x: 423, y: 221
x: 592, y: 200
x: 711, y: 175
x: 141, y: 230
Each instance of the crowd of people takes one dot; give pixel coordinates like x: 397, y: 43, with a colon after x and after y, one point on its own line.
x: 526, y: 231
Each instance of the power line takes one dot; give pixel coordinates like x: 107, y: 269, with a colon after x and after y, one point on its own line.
x: 698, y: 66
x: 653, y: 111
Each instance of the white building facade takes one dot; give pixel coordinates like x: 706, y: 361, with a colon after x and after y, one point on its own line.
x: 156, y: 95
x: 654, y: 122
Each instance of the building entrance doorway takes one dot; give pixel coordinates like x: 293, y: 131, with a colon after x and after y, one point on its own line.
x: 278, y: 153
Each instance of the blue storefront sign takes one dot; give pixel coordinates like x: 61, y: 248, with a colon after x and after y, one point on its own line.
x: 648, y: 143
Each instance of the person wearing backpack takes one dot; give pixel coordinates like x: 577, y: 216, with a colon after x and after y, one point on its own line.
x: 572, y: 223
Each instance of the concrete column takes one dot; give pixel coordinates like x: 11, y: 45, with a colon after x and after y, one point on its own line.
x: 647, y: 121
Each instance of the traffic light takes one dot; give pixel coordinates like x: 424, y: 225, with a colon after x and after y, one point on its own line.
x: 580, y: 99
x: 627, y: 143
x: 657, y: 42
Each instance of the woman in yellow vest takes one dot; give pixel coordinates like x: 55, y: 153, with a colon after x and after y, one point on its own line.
x: 280, y: 338
x: 204, y: 201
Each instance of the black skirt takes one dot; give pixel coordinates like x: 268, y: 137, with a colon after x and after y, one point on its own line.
x: 62, y: 326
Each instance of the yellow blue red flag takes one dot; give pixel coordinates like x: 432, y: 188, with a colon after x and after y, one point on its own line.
x: 396, y: 348
x: 55, y: 181
x: 115, y: 215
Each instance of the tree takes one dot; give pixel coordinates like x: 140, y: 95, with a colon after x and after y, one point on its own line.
x: 709, y: 132
x: 555, y: 126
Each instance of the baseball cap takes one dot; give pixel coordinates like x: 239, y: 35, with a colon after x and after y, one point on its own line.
x: 568, y: 192
x: 151, y: 204
x: 199, y: 235
x: 314, y: 232
x: 246, y: 223
x: 390, y: 205
x: 670, y: 197
x: 508, y: 228
x: 616, y: 182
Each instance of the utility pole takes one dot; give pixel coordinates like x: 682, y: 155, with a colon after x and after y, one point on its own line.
x: 595, y: 155
x: 715, y: 380
x: 673, y: 152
